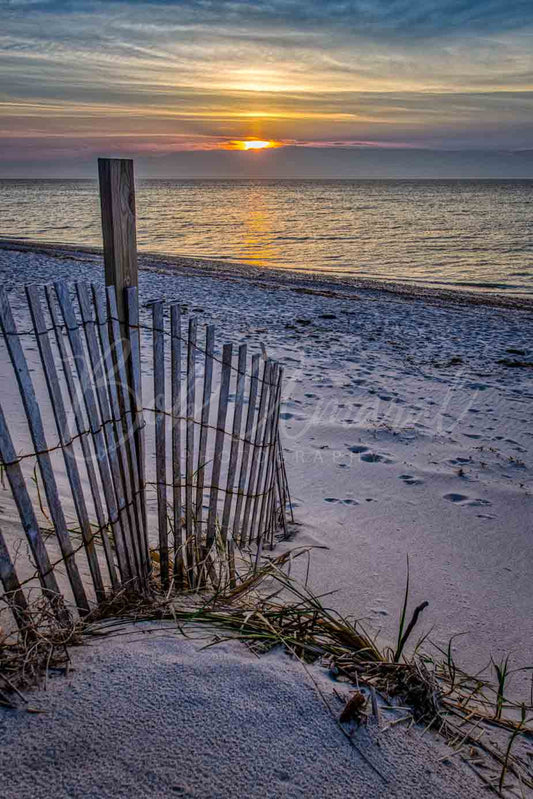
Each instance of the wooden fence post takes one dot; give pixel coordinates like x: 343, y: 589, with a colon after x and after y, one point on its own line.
x: 117, y: 203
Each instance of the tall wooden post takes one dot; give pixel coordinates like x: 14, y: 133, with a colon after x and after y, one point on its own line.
x: 117, y: 202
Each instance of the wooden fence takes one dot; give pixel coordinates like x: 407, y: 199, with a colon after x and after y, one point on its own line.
x: 118, y: 491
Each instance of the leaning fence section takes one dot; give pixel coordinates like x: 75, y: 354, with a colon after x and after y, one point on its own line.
x: 136, y: 454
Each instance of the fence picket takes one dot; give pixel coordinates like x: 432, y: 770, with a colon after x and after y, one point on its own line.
x: 284, y: 480
x: 189, y: 449
x: 219, y: 442
x: 160, y: 438
x: 250, y: 416
x: 134, y: 382
x: 83, y: 437
x: 236, y: 432
x: 60, y: 416
x: 29, y: 521
x: 14, y: 595
x: 106, y: 392
x: 114, y: 358
x: 277, y: 457
x: 204, y: 424
x: 175, y: 377
x: 35, y: 424
x: 264, y: 454
x: 255, y: 448
x: 269, y: 449
x: 115, y: 508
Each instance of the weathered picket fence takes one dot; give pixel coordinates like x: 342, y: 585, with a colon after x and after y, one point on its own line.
x: 113, y: 500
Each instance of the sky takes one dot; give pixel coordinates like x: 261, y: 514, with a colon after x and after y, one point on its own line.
x: 345, y: 88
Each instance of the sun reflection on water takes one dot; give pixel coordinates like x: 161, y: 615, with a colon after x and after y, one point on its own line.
x: 257, y: 223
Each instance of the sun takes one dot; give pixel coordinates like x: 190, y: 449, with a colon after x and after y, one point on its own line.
x: 257, y: 145
x: 252, y: 144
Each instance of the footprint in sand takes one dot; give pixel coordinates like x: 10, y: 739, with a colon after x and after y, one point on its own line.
x: 411, y: 480
x: 341, y: 501
x: 464, y: 500
x: 357, y: 448
x: 374, y: 457
x: 455, y: 497
x: 371, y: 457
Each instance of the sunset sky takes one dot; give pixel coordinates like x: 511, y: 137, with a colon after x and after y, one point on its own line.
x: 336, y: 84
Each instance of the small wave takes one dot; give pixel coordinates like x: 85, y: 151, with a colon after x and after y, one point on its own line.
x: 468, y: 235
x: 293, y: 238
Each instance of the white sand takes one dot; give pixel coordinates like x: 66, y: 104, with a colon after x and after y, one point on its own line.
x: 403, y: 436
x: 379, y: 378
x: 158, y: 718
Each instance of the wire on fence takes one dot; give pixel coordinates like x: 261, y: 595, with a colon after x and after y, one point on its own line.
x: 230, y: 466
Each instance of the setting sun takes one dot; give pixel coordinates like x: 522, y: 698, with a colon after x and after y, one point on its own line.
x: 257, y: 145
x: 253, y: 144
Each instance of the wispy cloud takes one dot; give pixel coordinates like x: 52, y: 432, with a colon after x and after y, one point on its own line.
x: 190, y: 74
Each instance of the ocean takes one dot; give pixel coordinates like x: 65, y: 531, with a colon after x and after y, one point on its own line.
x: 474, y: 234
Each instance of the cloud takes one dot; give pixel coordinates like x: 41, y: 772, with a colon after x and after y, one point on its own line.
x: 405, y: 17
x: 177, y: 75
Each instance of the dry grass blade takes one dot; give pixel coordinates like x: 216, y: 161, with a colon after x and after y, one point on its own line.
x: 267, y: 608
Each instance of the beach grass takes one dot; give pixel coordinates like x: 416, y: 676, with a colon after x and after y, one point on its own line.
x: 266, y: 607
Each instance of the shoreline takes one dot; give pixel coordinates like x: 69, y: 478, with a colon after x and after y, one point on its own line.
x: 311, y: 283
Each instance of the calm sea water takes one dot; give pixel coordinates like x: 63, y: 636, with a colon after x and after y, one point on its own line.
x: 475, y: 234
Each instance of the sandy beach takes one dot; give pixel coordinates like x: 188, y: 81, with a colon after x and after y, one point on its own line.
x: 152, y: 715
x: 407, y: 424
